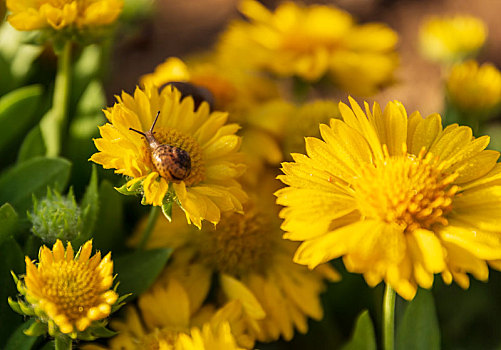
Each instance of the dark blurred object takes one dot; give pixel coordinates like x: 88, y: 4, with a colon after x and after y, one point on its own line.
x: 199, y: 93
x: 2, y: 9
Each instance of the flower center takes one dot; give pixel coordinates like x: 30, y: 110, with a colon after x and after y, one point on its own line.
x: 411, y: 191
x: 241, y: 243
x: 71, y: 287
x: 187, y: 143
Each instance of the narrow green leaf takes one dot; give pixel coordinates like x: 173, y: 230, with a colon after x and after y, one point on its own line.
x: 20, y: 341
x: 20, y: 183
x: 11, y: 259
x: 137, y: 271
x: 363, y: 336
x: 93, y: 99
x: 6, y: 78
x: 90, y: 209
x: 17, y: 109
x: 49, y: 346
x: 419, y: 327
x: 109, y: 231
x: 134, y: 190
x: 32, y: 146
x: 8, y: 221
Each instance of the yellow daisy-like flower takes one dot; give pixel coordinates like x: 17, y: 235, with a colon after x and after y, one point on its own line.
x: 451, y: 38
x: 311, y: 41
x: 169, y: 316
x: 399, y: 198
x: 473, y: 88
x: 253, y: 264
x: 233, y: 89
x: 206, y: 184
x: 59, y: 14
x: 69, y: 292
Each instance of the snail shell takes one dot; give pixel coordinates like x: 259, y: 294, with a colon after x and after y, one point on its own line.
x: 171, y: 162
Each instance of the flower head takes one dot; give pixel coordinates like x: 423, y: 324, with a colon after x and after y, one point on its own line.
x: 169, y: 317
x: 474, y: 89
x: 312, y: 41
x: 232, y: 89
x: 253, y: 264
x: 69, y: 293
x: 399, y: 198
x: 62, y: 14
x: 205, y: 184
x: 56, y: 217
x: 452, y: 38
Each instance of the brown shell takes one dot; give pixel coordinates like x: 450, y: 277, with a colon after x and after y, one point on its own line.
x: 172, y: 163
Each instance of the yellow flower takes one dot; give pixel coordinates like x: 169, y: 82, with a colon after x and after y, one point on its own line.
x: 207, y: 185
x: 311, y: 41
x: 69, y: 292
x: 399, y: 198
x: 253, y: 264
x: 233, y: 89
x: 473, y: 88
x: 451, y: 38
x: 168, y: 318
x: 59, y: 14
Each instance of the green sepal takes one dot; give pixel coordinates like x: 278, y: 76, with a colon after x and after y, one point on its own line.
x: 167, y: 209
x: 120, y: 302
x: 26, y: 309
x: 14, y: 305
x: 36, y: 329
x: 133, y: 190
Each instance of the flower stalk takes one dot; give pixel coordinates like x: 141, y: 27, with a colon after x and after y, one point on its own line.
x: 152, y: 219
x: 389, y: 318
x: 54, y: 122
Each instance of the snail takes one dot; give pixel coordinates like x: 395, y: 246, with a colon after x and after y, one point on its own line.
x: 171, y: 162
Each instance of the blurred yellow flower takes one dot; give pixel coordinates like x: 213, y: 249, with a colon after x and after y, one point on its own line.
x: 253, y: 265
x: 69, y: 292
x: 208, y: 183
x: 312, y: 41
x: 450, y: 39
x: 399, y: 198
x: 59, y: 14
x: 167, y: 318
x: 473, y: 88
x: 233, y: 89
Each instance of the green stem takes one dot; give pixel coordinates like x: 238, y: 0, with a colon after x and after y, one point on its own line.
x: 152, y: 219
x: 389, y: 318
x: 63, y: 342
x: 54, y: 122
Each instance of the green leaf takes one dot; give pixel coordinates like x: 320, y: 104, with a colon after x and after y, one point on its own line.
x: 49, y: 346
x: 17, y: 110
x: 137, y: 271
x: 20, y: 341
x: 93, y: 99
x: 419, y: 326
x: 6, y: 78
x: 109, y: 230
x: 32, y: 146
x: 363, y: 336
x: 8, y: 221
x: 11, y: 259
x: 90, y: 209
x: 20, y: 183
